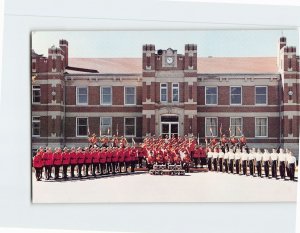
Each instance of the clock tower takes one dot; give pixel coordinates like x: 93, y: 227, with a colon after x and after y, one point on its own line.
x: 169, y: 91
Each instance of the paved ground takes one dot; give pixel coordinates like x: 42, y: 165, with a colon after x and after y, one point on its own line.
x: 142, y: 187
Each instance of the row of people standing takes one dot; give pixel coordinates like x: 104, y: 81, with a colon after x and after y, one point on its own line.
x: 93, y: 161
x: 253, y: 163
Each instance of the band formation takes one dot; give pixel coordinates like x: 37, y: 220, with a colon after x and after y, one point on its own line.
x: 110, y: 156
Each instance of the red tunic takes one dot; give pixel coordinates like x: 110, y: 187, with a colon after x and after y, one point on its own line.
x: 133, y: 155
x: 108, y: 156
x: 115, y: 156
x: 197, y: 153
x: 73, y: 158
x: 57, y: 159
x: 95, y: 157
x: 38, y: 160
x: 102, y: 157
x: 88, y: 157
x: 127, y: 155
x: 121, y: 155
x: 48, y: 158
x: 80, y: 157
x: 65, y: 158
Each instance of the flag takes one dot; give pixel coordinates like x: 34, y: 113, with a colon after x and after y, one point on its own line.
x: 198, y: 139
x: 133, y: 142
x: 221, y: 127
x: 117, y: 130
x: 108, y: 130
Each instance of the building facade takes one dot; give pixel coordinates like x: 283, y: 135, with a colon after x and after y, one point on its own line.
x: 164, y: 93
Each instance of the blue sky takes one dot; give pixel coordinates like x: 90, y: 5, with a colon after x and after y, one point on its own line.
x: 217, y: 43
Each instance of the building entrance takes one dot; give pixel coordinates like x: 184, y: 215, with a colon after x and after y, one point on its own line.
x: 169, y: 126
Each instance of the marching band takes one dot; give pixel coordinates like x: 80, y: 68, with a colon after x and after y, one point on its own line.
x: 116, y: 155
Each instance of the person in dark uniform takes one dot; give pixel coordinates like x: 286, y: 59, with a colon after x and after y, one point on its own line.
x: 251, y: 159
x: 266, y: 159
x: 209, y: 159
x: 258, y: 159
x: 274, y: 163
x: 231, y: 161
x: 244, y: 158
x: 215, y: 159
x: 291, y: 165
x: 282, y: 163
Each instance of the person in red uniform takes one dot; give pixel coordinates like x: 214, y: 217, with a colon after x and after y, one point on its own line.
x: 133, y: 158
x: 48, y: 162
x: 203, y: 156
x: 57, y: 162
x: 114, y: 160
x: 80, y: 161
x: 177, y: 159
x: 186, y: 161
x: 95, y: 159
x: 102, y: 159
x: 108, y: 160
x: 87, y: 160
x: 127, y: 158
x: 150, y: 160
x: 38, y: 163
x: 73, y: 160
x: 196, y: 156
x: 121, y: 159
x: 141, y: 155
x: 65, y: 162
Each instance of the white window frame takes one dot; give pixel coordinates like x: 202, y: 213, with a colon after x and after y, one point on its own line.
x: 100, y: 127
x: 266, y: 95
x: 36, y: 121
x: 134, y: 127
x: 81, y: 136
x: 206, y: 133
x: 242, y: 125
x: 166, y: 92
x: 125, y: 95
x: 101, y: 92
x: 241, y: 95
x: 216, y: 94
x: 173, y: 88
x: 36, y: 89
x: 77, y: 95
x: 267, y: 131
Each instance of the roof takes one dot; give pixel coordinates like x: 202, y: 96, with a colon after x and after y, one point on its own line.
x: 207, y: 65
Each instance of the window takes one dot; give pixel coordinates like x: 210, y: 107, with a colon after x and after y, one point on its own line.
x: 175, y: 92
x: 236, y: 126
x: 163, y: 92
x: 106, y: 95
x: 261, y: 127
x: 36, y: 124
x: 105, y: 126
x: 82, y: 95
x: 261, y: 95
x: 36, y: 94
x: 129, y: 124
x: 235, y: 95
x: 81, y: 126
x: 211, y: 126
x: 129, y: 95
x: 211, y: 95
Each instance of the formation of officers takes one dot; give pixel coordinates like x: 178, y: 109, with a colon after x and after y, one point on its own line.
x: 253, y: 162
x: 117, y: 156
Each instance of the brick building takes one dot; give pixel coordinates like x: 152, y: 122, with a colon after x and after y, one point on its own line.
x: 165, y: 92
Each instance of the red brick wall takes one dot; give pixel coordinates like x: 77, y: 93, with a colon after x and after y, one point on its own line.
x: 94, y: 95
